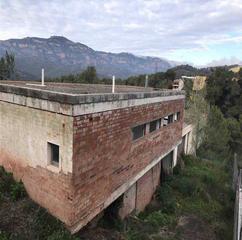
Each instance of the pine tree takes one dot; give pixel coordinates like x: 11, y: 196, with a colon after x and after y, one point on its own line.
x: 217, y: 136
x: 7, y: 65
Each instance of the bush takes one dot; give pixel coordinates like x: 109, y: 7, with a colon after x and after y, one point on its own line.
x: 6, y: 180
x: 166, y: 198
x: 159, y: 219
x: 8, y: 186
x: 189, y: 160
x: 45, y: 224
x: 3, y: 236
x: 177, y: 169
x: 61, y: 235
x: 17, y: 191
x: 186, y: 186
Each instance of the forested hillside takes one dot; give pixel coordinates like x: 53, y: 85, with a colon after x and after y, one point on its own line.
x: 61, y: 56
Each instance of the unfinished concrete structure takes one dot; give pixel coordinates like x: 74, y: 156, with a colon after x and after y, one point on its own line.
x: 78, y: 148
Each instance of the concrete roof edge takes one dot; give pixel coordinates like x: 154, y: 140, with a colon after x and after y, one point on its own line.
x: 74, y: 99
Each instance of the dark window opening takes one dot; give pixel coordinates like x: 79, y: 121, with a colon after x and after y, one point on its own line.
x: 154, y: 125
x: 138, y: 131
x: 53, y: 154
x: 170, y: 119
x: 167, y: 164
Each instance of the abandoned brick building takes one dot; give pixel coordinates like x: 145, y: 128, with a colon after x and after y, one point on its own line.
x: 78, y: 148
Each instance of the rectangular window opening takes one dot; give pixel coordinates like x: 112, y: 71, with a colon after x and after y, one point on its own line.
x: 165, y: 121
x: 138, y: 131
x: 170, y: 119
x: 153, y: 125
x: 53, y: 154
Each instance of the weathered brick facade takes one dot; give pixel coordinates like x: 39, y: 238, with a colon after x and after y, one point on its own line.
x: 105, y: 156
x: 99, y: 159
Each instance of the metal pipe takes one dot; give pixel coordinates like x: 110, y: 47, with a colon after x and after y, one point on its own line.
x: 42, y: 77
x: 146, y: 81
x: 113, y: 86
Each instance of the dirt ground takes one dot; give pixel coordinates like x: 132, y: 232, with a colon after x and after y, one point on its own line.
x: 191, y: 228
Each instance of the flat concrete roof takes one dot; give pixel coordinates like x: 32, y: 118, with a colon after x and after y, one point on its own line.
x: 73, y: 93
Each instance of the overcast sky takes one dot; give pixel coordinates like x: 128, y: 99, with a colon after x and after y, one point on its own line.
x: 196, y: 31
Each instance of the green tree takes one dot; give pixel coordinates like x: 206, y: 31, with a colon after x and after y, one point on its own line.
x: 224, y: 89
x: 89, y: 75
x: 216, y: 137
x: 235, y: 129
x: 7, y: 65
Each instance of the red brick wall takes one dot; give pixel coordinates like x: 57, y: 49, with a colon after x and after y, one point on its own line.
x: 145, y: 191
x: 105, y: 156
x: 146, y: 187
x: 52, y: 191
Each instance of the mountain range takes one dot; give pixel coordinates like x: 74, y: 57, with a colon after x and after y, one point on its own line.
x: 61, y: 56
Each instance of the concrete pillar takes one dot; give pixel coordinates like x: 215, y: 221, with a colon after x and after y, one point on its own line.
x: 129, y: 201
x: 175, y: 156
x: 185, y: 144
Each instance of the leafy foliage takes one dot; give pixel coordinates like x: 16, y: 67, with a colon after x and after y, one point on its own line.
x: 9, y: 187
x: 217, y: 136
x: 159, y: 219
x: 17, y: 191
x: 3, y: 236
x: 224, y: 89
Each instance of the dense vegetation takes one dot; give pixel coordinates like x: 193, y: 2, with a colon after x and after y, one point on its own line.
x: 199, y: 194
x: 224, y: 89
x: 224, y: 94
x: 217, y: 113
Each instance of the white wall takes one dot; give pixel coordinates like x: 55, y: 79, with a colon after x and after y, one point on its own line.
x: 24, y: 133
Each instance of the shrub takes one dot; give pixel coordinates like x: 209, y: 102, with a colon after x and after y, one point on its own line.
x: 177, y: 169
x: 189, y: 160
x: 9, y: 186
x: 61, y: 235
x: 45, y: 224
x: 166, y: 198
x: 17, y: 191
x: 186, y: 186
x: 6, y: 180
x: 159, y: 219
x: 3, y: 236
x: 138, y: 229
